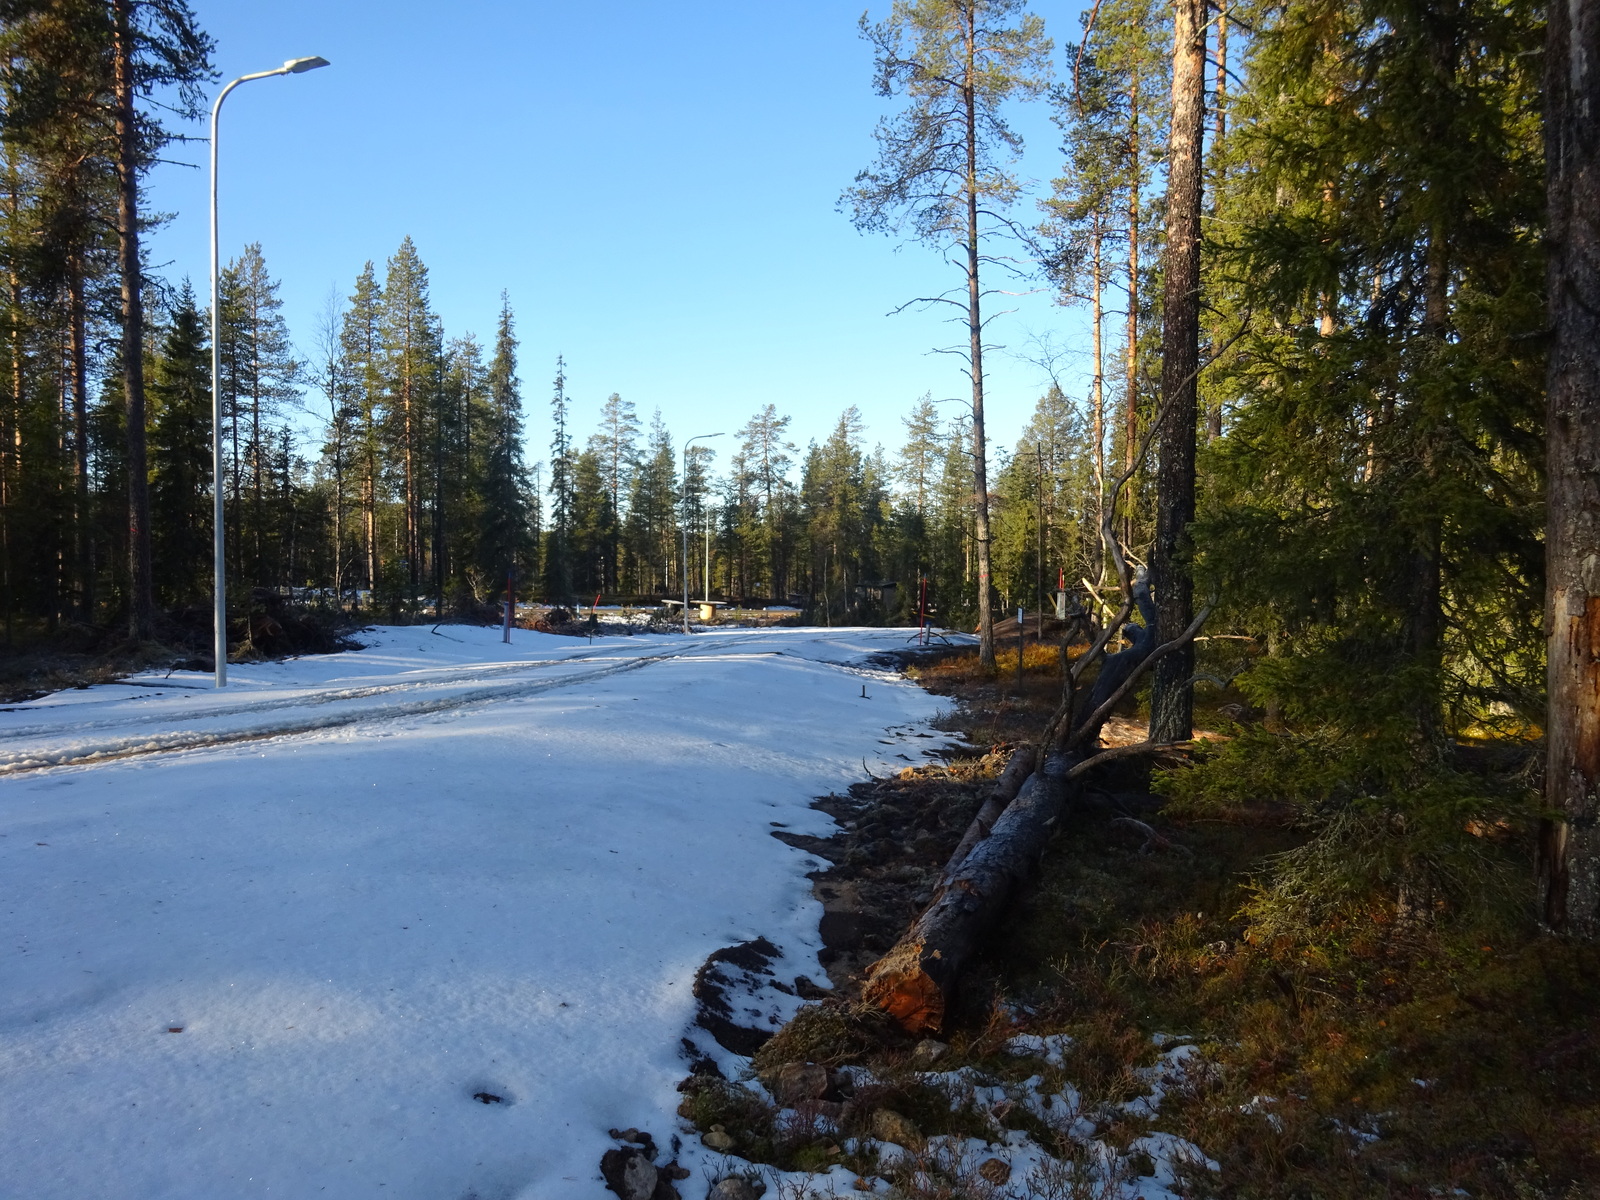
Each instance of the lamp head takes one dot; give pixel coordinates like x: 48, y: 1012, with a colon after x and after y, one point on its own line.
x: 296, y: 65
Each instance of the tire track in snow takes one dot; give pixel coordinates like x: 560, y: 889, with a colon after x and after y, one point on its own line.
x: 176, y: 740
x: 303, y: 699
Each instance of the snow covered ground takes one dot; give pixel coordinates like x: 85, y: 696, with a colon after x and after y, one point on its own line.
x: 275, y: 940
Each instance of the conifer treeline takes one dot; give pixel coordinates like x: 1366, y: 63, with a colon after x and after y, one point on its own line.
x: 384, y: 458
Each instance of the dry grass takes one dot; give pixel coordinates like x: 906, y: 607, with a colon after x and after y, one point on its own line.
x: 1458, y: 1057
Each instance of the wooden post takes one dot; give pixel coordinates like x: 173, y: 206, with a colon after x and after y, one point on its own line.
x: 1022, y: 633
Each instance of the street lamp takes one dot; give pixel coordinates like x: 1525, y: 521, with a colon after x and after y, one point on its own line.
x: 220, y: 585
x: 699, y: 437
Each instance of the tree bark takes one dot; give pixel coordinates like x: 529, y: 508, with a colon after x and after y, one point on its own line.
x: 1219, y: 132
x: 1171, y: 699
x: 1005, y: 789
x: 980, y: 466
x: 1569, y: 850
x: 83, y: 532
x: 1130, y: 436
x: 915, y: 982
x: 141, y: 601
x: 1097, y: 400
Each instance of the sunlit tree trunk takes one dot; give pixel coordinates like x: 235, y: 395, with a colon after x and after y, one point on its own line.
x: 1171, y: 696
x: 1569, y: 858
x: 141, y: 602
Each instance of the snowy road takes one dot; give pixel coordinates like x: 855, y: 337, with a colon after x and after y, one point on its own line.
x: 273, y: 940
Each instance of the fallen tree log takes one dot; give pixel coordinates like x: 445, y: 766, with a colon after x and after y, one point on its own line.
x: 914, y: 982
x: 1005, y: 789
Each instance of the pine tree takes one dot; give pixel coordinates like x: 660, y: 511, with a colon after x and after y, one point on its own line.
x: 765, y: 457
x: 939, y: 167
x: 259, y: 386
x: 616, y: 444
x: 56, y: 80
x: 411, y: 342
x: 156, y: 45
x: 1569, y: 851
x: 361, y: 347
x: 1110, y: 112
x: 1171, y: 688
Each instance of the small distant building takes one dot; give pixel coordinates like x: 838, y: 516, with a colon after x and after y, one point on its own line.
x: 883, y: 591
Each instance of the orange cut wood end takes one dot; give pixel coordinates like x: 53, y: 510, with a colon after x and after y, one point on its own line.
x: 899, y: 986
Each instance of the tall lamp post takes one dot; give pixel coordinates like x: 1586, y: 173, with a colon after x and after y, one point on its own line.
x: 699, y: 437
x: 220, y: 584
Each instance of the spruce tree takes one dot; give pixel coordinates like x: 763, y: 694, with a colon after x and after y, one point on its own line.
x: 594, y: 524
x: 652, y: 513
x: 466, y: 400
x: 1372, y: 510
x: 180, y: 459
x: 765, y: 455
x: 330, y: 375
x: 559, y: 574
x: 504, y: 542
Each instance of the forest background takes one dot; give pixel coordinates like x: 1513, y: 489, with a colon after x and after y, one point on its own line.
x: 1371, y: 319
x: 1371, y: 380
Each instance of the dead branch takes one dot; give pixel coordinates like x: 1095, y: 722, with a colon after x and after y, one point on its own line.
x: 1097, y: 718
x: 1153, y: 839
x: 1137, y: 749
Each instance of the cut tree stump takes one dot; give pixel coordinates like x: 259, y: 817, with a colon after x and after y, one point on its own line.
x: 916, y: 980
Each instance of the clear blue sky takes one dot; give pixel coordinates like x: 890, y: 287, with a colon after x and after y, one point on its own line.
x: 654, y: 185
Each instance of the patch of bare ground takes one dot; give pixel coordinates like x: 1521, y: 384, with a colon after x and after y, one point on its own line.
x: 35, y: 662
x: 1381, y: 1062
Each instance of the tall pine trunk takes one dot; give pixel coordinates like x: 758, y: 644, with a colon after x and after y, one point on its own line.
x: 1569, y: 858
x: 1171, y: 697
x: 83, y: 525
x: 141, y: 602
x: 1131, y: 399
x: 980, y: 470
x: 1219, y: 132
x: 1097, y: 398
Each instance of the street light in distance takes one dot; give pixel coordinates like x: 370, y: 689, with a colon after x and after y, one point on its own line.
x: 294, y: 66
